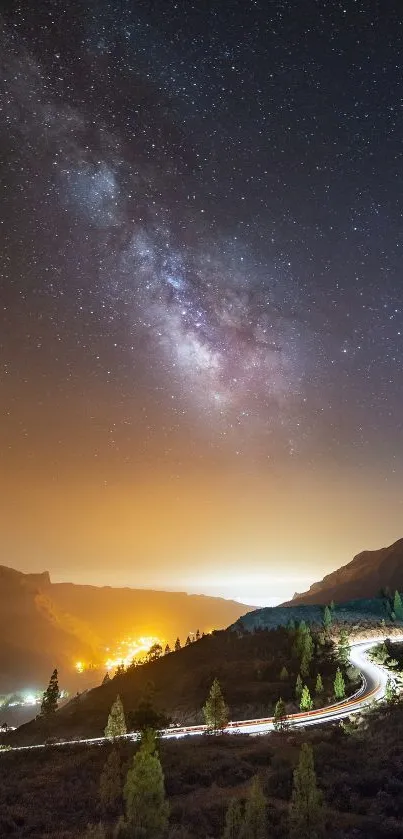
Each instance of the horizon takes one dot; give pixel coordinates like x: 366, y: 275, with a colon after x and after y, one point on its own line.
x: 252, y: 584
x: 109, y: 580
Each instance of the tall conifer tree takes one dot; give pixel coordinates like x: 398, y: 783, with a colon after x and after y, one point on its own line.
x: 51, y: 696
x: 280, y: 716
x: 306, y: 807
x: 116, y: 725
x: 398, y: 606
x: 147, y: 810
x: 110, y: 786
x: 339, y: 685
x: 215, y: 710
x: 306, y: 703
x: 254, y: 820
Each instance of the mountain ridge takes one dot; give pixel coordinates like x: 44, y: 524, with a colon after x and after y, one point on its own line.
x: 364, y: 576
x: 45, y: 625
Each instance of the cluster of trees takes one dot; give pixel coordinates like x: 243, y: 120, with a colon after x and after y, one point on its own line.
x: 143, y: 798
x: 145, y: 717
x: 304, y: 648
x: 304, y: 698
x: 215, y: 710
x: 384, y: 653
x: 248, y: 820
x: 156, y: 651
x: 139, y: 808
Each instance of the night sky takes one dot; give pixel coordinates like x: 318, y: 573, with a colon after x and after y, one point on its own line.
x: 201, y: 290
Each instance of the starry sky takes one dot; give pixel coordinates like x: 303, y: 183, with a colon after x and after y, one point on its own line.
x: 201, y: 291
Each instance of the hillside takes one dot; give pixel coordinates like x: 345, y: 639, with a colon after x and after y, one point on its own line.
x: 366, y: 575
x: 361, y: 613
x: 34, y: 636
x: 360, y: 776
x: 45, y: 625
x: 248, y: 667
x: 113, y: 612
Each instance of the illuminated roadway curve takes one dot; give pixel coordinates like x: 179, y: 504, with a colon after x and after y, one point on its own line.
x: 374, y: 678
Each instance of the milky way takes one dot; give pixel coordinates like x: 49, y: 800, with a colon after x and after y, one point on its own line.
x: 177, y: 189
x: 221, y: 325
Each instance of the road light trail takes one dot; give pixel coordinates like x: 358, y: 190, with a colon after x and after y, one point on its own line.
x: 374, y: 678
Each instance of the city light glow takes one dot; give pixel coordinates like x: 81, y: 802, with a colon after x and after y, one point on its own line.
x: 124, y: 652
x: 130, y: 649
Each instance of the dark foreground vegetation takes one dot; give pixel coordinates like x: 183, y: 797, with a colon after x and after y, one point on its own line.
x: 55, y: 793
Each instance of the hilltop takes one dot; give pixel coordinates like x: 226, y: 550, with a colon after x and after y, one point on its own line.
x: 357, y: 614
x: 366, y: 575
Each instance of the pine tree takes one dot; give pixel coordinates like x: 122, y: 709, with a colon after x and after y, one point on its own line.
x: 390, y: 691
x: 154, y: 653
x: 197, y: 634
x: 306, y: 651
x: 177, y: 645
x: 398, y: 606
x: 306, y: 807
x: 319, y: 685
x: 254, y: 820
x: 280, y: 716
x: 300, y: 637
x: 167, y: 650
x: 339, y: 685
x: 215, y: 710
x: 106, y: 678
x: 50, y: 697
x: 304, y: 667
x: 306, y: 703
x: 344, y: 648
x: 188, y: 642
x: 146, y: 810
x: 284, y: 674
x: 120, y: 669
x: 146, y: 716
x: 148, y: 740
x: 233, y: 820
x: 116, y: 725
x: 298, y: 687
x: 110, y: 787
x: 327, y: 618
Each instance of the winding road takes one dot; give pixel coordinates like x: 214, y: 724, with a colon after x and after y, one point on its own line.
x: 374, y: 678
